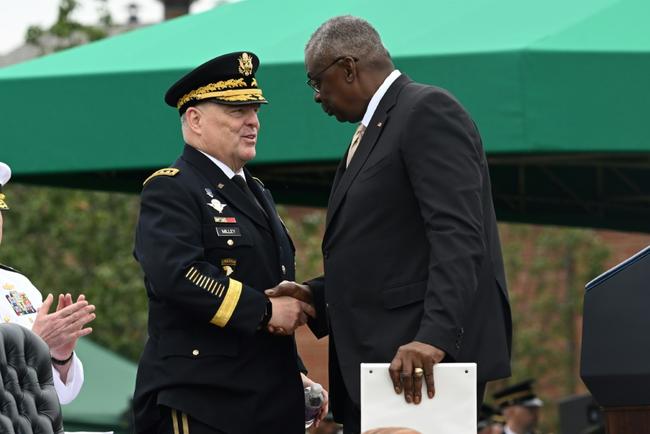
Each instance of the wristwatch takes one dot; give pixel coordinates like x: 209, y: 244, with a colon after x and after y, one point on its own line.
x: 61, y: 362
x: 268, y: 313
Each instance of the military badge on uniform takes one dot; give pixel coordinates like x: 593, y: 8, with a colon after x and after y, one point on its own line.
x: 225, y: 220
x: 245, y: 64
x: 228, y: 265
x: 209, y: 192
x: 20, y: 303
x: 216, y: 204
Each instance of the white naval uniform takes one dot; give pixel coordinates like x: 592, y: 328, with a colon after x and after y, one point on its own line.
x: 19, y: 302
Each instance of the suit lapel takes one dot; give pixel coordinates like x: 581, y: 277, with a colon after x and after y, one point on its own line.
x: 215, y: 177
x: 340, y: 170
x: 368, y: 141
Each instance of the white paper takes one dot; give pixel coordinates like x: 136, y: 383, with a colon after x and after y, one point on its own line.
x: 451, y: 411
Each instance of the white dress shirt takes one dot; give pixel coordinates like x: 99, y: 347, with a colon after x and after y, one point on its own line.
x: 226, y: 170
x: 19, y: 302
x: 379, y: 94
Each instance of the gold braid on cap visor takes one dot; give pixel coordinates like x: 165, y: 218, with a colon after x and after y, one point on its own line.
x: 514, y: 396
x: 225, y: 90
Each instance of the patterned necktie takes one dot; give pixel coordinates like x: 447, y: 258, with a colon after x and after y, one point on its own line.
x: 358, y: 134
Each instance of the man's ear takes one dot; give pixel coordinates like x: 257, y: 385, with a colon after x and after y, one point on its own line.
x: 193, y: 117
x: 350, y: 68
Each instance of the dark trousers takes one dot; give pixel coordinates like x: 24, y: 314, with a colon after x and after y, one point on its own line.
x: 176, y: 422
x: 351, y: 417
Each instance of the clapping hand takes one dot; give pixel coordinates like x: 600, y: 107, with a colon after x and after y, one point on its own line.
x: 62, y: 328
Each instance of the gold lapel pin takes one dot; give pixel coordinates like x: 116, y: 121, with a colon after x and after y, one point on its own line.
x: 379, y: 124
x: 220, y: 186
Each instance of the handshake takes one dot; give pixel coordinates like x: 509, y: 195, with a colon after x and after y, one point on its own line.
x: 292, y: 307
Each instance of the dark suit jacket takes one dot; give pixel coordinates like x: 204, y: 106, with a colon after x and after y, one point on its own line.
x: 204, y: 355
x: 411, y: 249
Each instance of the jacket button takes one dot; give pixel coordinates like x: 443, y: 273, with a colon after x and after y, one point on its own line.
x: 195, y: 352
x: 284, y: 270
x: 230, y: 242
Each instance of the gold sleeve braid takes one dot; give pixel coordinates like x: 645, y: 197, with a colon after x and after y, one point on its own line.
x: 228, y: 304
x: 230, y: 300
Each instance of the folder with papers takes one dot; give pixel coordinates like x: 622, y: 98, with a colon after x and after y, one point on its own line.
x: 451, y: 411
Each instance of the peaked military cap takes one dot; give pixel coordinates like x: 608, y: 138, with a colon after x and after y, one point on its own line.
x: 518, y: 394
x: 228, y: 79
x: 5, y: 176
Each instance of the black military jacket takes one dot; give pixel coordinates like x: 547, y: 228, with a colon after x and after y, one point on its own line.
x: 208, y: 252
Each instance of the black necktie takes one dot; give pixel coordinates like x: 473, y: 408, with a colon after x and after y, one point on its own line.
x: 241, y: 183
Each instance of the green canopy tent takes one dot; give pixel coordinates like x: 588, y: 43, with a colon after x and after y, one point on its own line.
x: 105, y: 397
x: 559, y: 90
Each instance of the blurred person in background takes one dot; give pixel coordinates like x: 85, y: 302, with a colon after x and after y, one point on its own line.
x: 520, y: 407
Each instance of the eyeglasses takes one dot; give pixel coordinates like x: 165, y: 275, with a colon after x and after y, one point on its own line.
x: 314, y: 82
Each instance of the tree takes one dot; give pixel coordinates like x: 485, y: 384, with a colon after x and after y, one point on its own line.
x: 66, y: 32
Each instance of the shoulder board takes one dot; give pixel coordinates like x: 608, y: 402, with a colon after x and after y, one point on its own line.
x: 168, y: 171
x: 258, y: 181
x: 8, y: 268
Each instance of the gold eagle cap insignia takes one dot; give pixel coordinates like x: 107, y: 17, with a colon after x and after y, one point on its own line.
x: 245, y: 64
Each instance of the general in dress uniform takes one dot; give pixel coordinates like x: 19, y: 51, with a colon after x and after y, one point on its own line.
x: 210, y: 241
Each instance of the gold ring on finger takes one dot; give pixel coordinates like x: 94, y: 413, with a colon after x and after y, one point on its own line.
x: 418, y: 372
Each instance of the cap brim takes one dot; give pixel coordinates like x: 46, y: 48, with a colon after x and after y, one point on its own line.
x: 535, y: 402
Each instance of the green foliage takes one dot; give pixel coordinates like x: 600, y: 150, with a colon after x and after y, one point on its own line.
x: 306, y: 229
x: 66, y: 32
x: 34, y: 34
x: 81, y: 242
